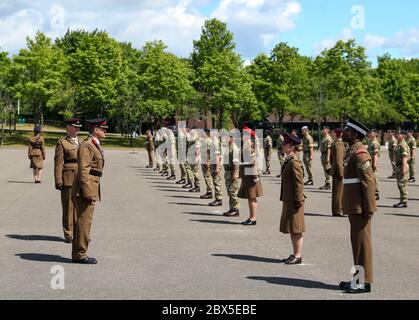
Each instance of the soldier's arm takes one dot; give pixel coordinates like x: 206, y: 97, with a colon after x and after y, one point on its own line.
x: 405, y: 164
x: 58, y: 164
x: 43, y: 149
x: 414, y: 146
x: 85, y: 165
x: 366, y: 176
x: 340, y: 154
x: 298, y: 177
x: 29, y: 149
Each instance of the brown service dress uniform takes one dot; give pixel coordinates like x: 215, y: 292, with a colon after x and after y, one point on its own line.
x: 87, y: 185
x: 336, y: 159
x: 359, y: 203
x: 149, y: 145
x: 65, y: 172
x: 292, y: 191
x: 36, y: 152
x: 251, y: 185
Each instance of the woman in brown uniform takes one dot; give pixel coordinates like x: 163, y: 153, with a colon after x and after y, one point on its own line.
x: 36, y: 153
x: 251, y: 186
x: 292, y: 196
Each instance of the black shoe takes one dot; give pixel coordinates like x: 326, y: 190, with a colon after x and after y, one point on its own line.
x: 400, y: 205
x: 86, y: 260
x: 187, y: 186
x: 293, y: 260
x: 232, y: 213
x: 377, y: 197
x: 196, y: 189
x: 216, y: 203
x: 156, y: 169
x: 68, y: 240
x: 149, y: 166
x: 208, y: 195
x: 249, y: 222
x: 267, y: 172
x: 339, y: 215
x: 326, y: 187
x: 278, y: 176
x: 309, y: 183
x: 171, y: 178
x: 181, y: 181
x: 393, y: 176
x: 366, y: 288
x: 412, y: 180
x: 344, y: 284
x: 165, y: 174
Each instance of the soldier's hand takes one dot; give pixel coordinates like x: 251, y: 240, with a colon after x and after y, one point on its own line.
x: 59, y: 187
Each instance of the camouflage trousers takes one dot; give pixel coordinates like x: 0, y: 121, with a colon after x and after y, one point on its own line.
x: 308, y: 164
x: 158, y: 160
x: 377, y: 187
x: 232, y: 190
x: 268, y: 156
x: 206, y: 171
x: 193, y: 173
x: 326, y: 167
x: 402, y: 184
x: 393, y: 165
x: 216, y: 180
x: 183, y: 173
x: 412, y: 168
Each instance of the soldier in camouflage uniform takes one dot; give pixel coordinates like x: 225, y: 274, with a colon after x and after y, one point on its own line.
x: 231, y: 175
x: 171, y: 153
x: 392, y: 144
x: 308, y: 154
x: 215, y: 167
x: 281, y: 155
x: 267, y: 147
x: 193, y: 155
x: 411, y: 142
x: 374, y: 149
x: 325, y: 145
x: 401, y: 157
x: 181, y: 152
x: 158, y: 140
x: 206, y: 168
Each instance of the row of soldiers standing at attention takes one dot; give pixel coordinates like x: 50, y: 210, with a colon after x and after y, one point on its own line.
x: 402, y: 154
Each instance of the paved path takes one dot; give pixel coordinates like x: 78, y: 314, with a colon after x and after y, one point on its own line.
x: 153, y: 240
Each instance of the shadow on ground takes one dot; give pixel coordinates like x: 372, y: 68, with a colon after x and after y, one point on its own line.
x: 43, y: 257
x: 309, y: 284
x: 249, y: 258
x: 35, y: 237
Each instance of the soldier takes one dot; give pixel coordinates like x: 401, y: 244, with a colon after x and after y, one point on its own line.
x: 308, y: 154
x: 149, y: 145
x: 215, y: 167
x: 267, y: 147
x: 374, y: 151
x: 411, y: 142
x: 65, y: 171
x: 231, y: 175
x: 86, y: 188
x: 337, y: 154
x: 401, y: 158
x: 206, y: 168
x: 181, y: 151
x: 292, y: 196
x: 157, y: 142
x: 392, y: 144
x: 325, y: 156
x: 194, y: 154
x: 36, y: 153
x: 359, y: 203
x: 171, y: 153
x: 165, y: 171
x: 281, y: 155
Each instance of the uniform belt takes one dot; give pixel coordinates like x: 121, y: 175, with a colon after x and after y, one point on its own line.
x: 70, y: 161
x: 351, y: 181
x: 95, y: 173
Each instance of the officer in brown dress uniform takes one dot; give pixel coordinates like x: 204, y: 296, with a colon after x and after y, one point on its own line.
x: 65, y: 171
x: 36, y: 153
x: 86, y: 189
x: 149, y: 145
x: 360, y: 204
x: 292, y: 196
x: 251, y: 186
x: 337, y: 154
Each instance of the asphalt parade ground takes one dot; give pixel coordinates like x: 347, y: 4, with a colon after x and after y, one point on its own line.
x: 154, y: 240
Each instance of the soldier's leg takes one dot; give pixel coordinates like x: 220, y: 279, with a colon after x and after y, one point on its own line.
x: 189, y: 172
x: 377, y: 187
x: 84, y: 211
x: 337, y: 196
x: 195, y: 173
x: 268, y: 163
x: 326, y: 175
x: 402, y: 185
x: 393, y: 166
x: 183, y: 175
x: 172, y: 169
x: 207, y: 177
x: 362, y: 244
x: 68, y: 212
x: 216, y: 179
x: 412, y: 168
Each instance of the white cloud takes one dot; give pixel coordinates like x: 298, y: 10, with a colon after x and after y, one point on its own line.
x: 372, y: 41
x: 346, y: 34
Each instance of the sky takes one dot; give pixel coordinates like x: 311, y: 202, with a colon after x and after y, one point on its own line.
x: 311, y: 25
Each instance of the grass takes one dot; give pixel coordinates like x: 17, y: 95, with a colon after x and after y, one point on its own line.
x: 20, y: 138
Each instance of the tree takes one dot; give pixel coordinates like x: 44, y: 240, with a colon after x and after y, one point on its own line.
x: 5, y: 101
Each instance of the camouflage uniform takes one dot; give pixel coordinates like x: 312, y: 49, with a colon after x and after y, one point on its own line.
x: 215, y: 167
x: 206, y: 170
x: 267, y: 146
x: 411, y: 142
x: 171, y: 152
x: 308, y: 143
x: 392, y: 144
x: 324, y: 148
x: 231, y: 176
x: 373, y: 149
x: 181, y: 155
x: 281, y: 155
x: 192, y: 167
x: 402, y: 151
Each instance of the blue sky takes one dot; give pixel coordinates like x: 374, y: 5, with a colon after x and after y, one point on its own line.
x: 310, y: 25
